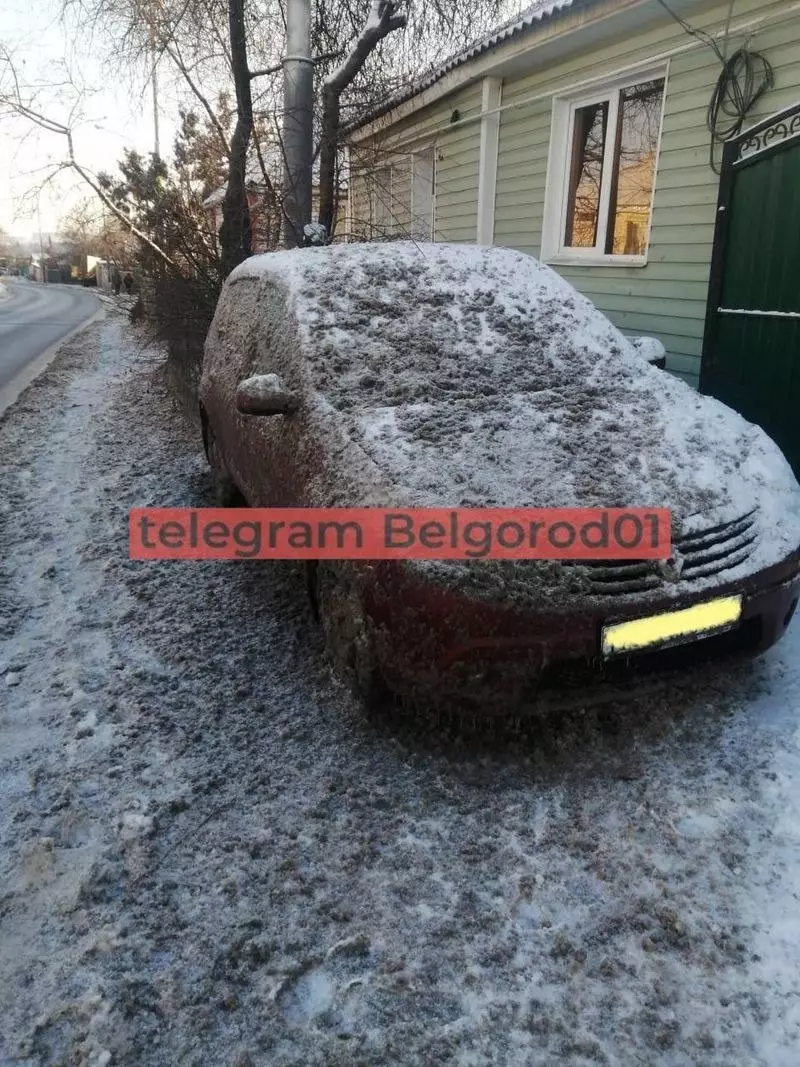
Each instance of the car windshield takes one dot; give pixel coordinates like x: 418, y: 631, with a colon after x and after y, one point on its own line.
x: 395, y: 324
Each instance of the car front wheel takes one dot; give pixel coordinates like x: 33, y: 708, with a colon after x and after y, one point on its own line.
x: 226, y: 491
x: 346, y: 631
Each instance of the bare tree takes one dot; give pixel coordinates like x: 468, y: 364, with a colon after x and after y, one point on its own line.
x: 235, y: 235
x: 88, y: 229
x: 14, y: 100
x: 239, y: 45
x: 210, y: 48
x: 384, y: 17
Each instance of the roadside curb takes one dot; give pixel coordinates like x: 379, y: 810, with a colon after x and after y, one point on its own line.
x: 121, y: 305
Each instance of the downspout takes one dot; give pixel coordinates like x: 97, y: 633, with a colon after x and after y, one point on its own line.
x: 298, y: 115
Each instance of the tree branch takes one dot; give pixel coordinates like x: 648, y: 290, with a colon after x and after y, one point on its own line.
x: 385, y: 16
x: 174, y: 53
x: 16, y: 104
x: 269, y: 70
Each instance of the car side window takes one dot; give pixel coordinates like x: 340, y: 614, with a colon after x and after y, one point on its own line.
x: 235, y: 342
x: 274, y: 344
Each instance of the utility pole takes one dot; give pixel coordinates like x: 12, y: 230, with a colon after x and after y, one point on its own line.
x: 154, y: 80
x: 156, y: 146
x: 298, y: 117
x: 42, y: 267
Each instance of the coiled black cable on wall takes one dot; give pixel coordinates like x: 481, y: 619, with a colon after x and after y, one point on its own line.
x: 743, y: 80
x: 745, y: 77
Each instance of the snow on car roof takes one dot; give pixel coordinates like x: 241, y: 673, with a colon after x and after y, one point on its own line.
x: 397, y: 323
x: 478, y: 376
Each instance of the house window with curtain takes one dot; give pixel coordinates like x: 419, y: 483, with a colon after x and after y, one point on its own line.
x: 602, y: 173
x: 423, y: 194
x: 382, y: 215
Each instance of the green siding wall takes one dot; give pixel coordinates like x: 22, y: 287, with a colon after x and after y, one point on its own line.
x: 667, y: 297
x: 457, y: 156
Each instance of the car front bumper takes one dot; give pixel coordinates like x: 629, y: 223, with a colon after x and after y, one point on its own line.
x: 428, y: 639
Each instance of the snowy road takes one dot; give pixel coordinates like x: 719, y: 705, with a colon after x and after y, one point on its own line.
x: 209, y: 856
x: 33, y: 318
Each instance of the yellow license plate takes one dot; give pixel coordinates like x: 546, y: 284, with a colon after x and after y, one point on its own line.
x: 671, y: 626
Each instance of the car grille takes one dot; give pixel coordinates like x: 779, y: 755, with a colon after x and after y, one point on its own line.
x: 696, y: 555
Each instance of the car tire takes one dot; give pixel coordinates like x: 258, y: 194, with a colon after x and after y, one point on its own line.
x: 226, y: 491
x: 346, y: 632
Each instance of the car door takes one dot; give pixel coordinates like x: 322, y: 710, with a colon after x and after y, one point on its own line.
x: 254, y: 333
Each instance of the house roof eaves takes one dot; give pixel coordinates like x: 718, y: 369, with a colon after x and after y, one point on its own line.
x: 538, y: 12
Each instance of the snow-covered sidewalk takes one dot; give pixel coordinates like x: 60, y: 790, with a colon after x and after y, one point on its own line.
x: 208, y: 855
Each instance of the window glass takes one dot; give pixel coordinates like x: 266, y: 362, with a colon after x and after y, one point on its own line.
x: 382, y: 199
x: 586, y: 175
x: 634, y: 168
x: 604, y: 193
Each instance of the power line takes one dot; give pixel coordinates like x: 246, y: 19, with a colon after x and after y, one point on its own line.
x: 743, y: 80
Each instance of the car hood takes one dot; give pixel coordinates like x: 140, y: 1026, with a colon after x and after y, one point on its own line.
x: 615, y: 440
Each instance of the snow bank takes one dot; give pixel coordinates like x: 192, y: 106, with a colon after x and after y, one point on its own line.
x: 478, y: 376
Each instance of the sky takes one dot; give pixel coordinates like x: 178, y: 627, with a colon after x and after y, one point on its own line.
x: 76, y: 79
x: 109, y: 109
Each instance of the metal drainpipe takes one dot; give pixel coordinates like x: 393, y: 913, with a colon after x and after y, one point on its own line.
x: 298, y: 116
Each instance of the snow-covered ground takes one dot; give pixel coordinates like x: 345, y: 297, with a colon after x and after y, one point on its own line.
x: 209, y: 855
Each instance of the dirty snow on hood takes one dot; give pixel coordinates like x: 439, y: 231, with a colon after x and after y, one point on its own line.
x: 478, y: 376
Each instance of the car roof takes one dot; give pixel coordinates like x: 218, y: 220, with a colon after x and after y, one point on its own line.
x: 394, y: 322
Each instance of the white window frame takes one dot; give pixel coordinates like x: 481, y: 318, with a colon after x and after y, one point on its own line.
x: 558, y: 162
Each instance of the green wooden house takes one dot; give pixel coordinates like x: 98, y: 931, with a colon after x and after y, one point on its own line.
x: 581, y: 132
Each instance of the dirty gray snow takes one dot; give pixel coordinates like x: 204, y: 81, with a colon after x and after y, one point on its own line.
x: 479, y: 377
x: 209, y: 855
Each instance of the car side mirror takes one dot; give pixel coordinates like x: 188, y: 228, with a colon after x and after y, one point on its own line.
x: 264, y: 394
x: 651, y: 350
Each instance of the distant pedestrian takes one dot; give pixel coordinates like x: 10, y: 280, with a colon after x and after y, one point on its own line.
x: 116, y: 282
x: 127, y: 281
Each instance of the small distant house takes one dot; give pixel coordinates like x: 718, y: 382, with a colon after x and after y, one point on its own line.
x: 264, y: 217
x: 107, y: 271
x: 579, y: 132
x: 45, y: 269
x: 265, y: 214
x: 103, y: 270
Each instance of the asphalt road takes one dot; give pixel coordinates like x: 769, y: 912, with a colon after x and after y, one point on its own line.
x: 33, y: 318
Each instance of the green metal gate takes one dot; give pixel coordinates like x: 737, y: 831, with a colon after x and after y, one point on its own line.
x: 751, y: 346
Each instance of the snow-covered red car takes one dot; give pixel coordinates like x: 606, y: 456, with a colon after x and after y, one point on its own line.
x: 399, y: 375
